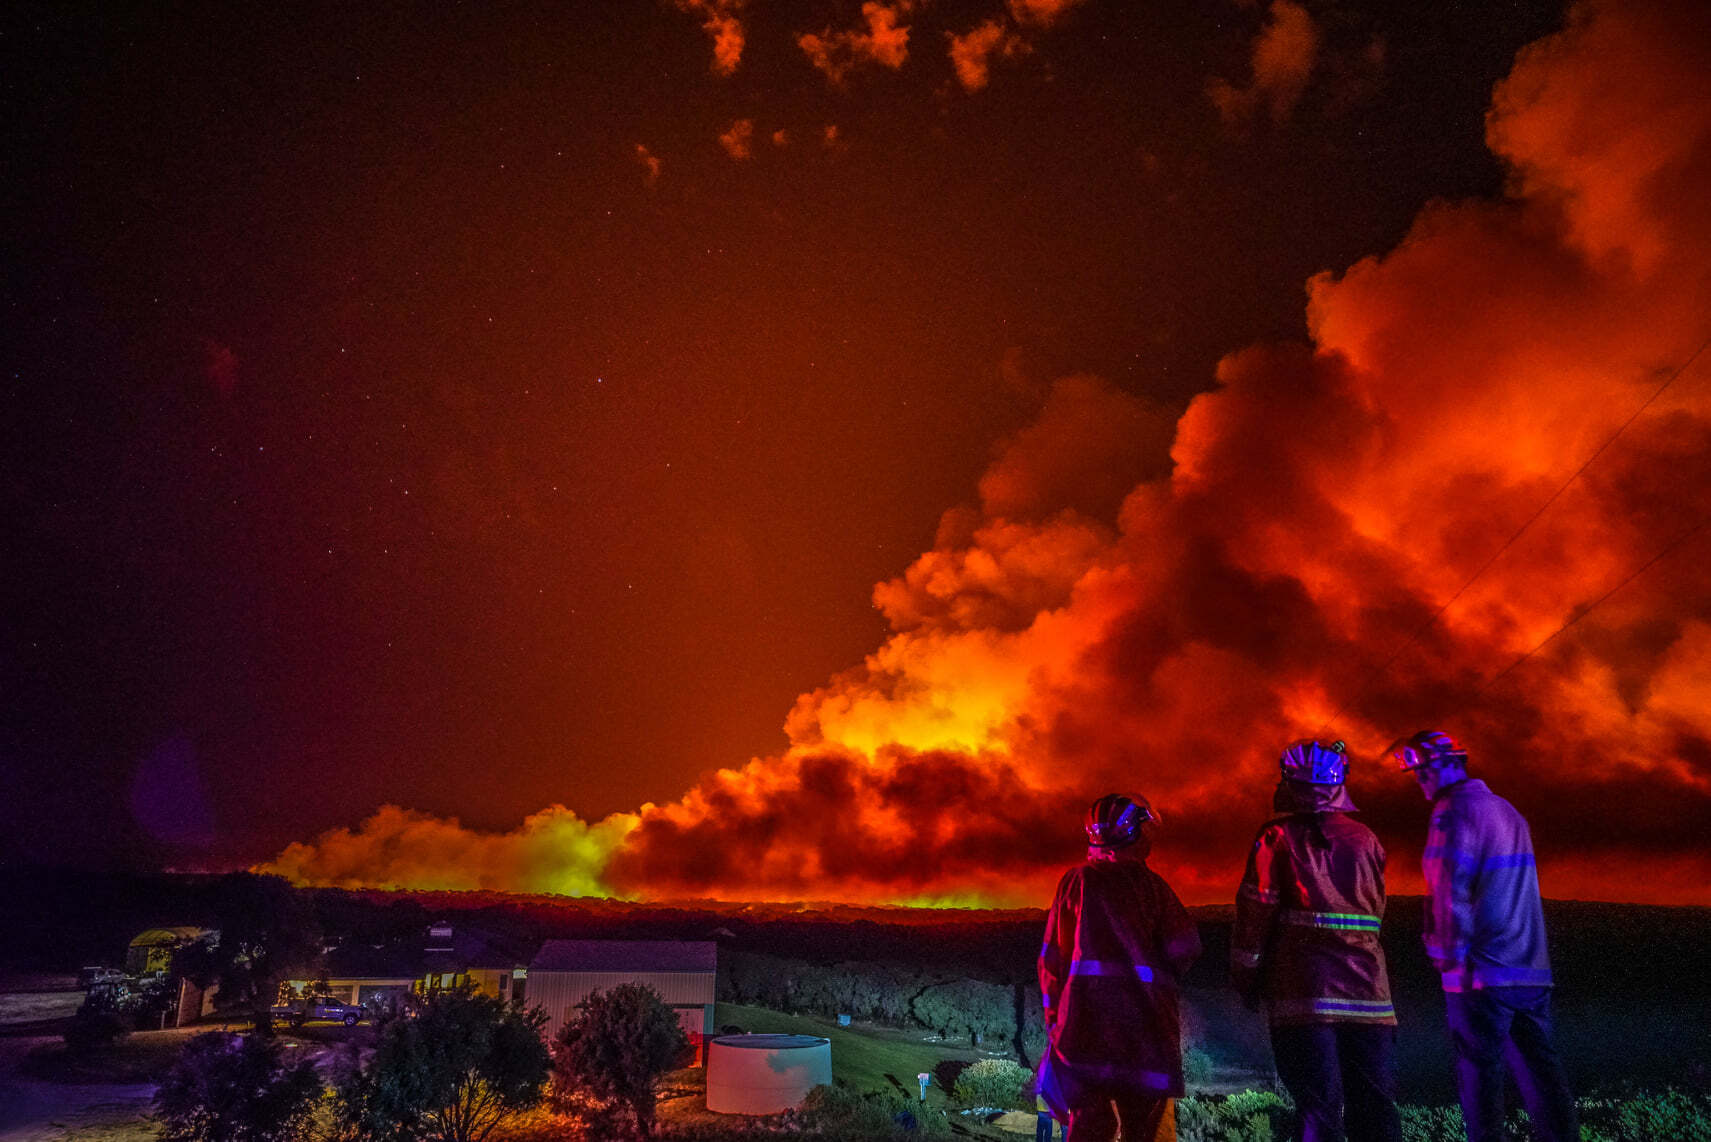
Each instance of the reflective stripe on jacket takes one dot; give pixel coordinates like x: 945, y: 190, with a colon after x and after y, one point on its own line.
x: 1308, y: 915
x: 1117, y: 943
x: 1484, y: 926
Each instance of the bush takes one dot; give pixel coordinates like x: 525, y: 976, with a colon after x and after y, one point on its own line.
x: 1197, y: 1067
x: 1256, y: 1116
x: 1672, y: 1113
x: 967, y: 1007
x: 838, y: 1114
x: 611, y: 1053
x: 1249, y: 1116
x: 998, y: 1083
x: 98, y: 1023
x: 1432, y: 1124
x: 235, y: 1088
x: 465, y: 1064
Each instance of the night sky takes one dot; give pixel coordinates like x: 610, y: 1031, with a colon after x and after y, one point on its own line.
x: 479, y: 408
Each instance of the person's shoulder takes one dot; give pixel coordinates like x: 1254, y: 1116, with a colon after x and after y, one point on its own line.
x: 1157, y: 883
x: 1477, y: 796
x: 1074, y: 875
x: 1271, y: 833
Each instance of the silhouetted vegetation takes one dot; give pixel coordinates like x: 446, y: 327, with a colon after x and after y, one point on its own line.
x: 464, y: 1064
x: 1627, y: 1011
x: 611, y: 1054
x: 236, y: 1088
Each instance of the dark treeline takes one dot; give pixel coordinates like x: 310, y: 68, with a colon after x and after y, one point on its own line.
x: 1632, y: 1000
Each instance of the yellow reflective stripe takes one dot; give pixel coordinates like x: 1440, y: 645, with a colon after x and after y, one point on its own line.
x: 1337, y: 1006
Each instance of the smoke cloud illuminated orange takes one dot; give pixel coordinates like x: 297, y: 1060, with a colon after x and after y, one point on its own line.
x: 1283, y: 56
x: 884, y: 41
x: 1154, y: 602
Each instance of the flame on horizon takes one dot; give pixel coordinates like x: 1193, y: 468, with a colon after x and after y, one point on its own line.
x: 1157, y: 603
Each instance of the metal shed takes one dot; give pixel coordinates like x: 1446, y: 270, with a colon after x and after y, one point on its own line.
x: 568, y: 971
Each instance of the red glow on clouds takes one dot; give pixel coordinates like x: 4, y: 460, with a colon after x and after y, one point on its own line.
x: 1156, y: 603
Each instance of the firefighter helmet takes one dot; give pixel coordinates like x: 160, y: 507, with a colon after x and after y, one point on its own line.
x: 1429, y: 749
x: 1315, y: 762
x: 1114, y: 821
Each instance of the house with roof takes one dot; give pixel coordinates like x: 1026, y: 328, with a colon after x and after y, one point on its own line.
x: 566, y: 972
x: 366, y: 973
x: 489, y: 963
x: 447, y: 958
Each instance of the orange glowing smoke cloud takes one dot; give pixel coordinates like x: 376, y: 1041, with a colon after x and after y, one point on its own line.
x: 1137, y: 605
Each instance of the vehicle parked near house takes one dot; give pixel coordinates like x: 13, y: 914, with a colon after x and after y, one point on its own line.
x: 92, y: 977
x: 304, y: 1010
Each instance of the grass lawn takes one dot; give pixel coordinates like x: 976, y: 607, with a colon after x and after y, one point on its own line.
x: 866, y: 1058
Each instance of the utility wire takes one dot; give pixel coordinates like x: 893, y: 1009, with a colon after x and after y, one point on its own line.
x: 1510, y: 542
x: 1582, y: 612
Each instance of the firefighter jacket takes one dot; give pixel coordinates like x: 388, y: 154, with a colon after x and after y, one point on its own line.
x: 1484, y: 926
x: 1118, y: 941
x: 1308, y: 914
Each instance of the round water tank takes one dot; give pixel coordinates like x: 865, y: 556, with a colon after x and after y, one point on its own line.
x: 764, y: 1074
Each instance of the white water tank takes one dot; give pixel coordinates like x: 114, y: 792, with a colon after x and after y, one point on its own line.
x: 765, y: 1074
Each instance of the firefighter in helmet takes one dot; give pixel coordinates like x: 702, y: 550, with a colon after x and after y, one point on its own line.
x: 1118, y: 941
x: 1485, y: 933
x: 1305, y: 947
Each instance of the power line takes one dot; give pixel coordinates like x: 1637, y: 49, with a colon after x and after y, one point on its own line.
x: 1582, y: 612
x: 1510, y: 542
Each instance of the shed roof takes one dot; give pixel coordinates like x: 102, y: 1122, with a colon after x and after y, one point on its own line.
x: 627, y: 956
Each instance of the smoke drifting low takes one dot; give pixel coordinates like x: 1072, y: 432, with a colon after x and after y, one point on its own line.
x: 1154, y: 606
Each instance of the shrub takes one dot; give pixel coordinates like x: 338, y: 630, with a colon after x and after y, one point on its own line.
x: 464, y: 1065
x: 98, y: 1022
x: 1197, y: 1067
x: 1671, y: 1113
x: 1249, y: 1116
x: 998, y: 1083
x: 966, y: 1007
x: 235, y: 1088
x: 1432, y: 1124
x: 838, y: 1114
x: 611, y: 1053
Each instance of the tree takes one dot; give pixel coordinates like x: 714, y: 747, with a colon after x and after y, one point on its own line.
x: 235, y: 1088
x: 616, y: 1047
x: 267, y: 932
x: 462, y: 1065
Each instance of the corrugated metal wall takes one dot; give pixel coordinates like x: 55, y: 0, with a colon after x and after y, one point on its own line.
x: 558, y: 992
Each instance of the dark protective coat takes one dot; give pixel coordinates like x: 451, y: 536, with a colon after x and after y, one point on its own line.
x: 1308, y: 914
x: 1485, y: 926
x: 1118, y: 941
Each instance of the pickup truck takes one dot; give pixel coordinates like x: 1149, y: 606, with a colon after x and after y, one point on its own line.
x: 304, y: 1010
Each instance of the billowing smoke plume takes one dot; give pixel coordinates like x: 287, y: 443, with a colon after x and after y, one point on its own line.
x: 554, y: 851
x: 1149, y: 606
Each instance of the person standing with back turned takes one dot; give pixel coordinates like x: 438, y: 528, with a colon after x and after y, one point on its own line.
x: 1485, y: 933
x: 1118, y: 941
x: 1305, y: 945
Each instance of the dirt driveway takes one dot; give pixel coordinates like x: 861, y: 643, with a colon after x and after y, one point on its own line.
x: 32, y: 1110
